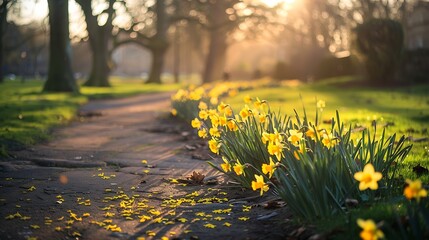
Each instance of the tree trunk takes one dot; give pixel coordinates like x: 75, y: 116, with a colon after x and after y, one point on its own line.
x: 216, y: 57
x: 158, y: 55
x: 60, y: 74
x: 99, y: 76
x: 159, y: 43
x: 99, y: 37
x: 220, y: 25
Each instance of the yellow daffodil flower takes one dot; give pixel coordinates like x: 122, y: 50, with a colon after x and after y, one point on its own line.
x: 202, y: 133
x: 239, y: 168
x: 203, y: 114
x: 232, y: 126
x: 260, y: 184
x: 245, y: 112
x: 221, y: 107
x: 295, y: 137
x: 214, y: 146
x: 222, y: 121
x: 329, y: 140
x: 214, y: 100
x: 415, y: 190
x: 276, y: 149
x: 202, y: 105
x: 173, y: 112
x: 370, y: 230
x: 321, y: 104
x: 214, y: 132
x: 196, y: 123
x: 262, y: 118
x: 368, y: 178
x: 226, y: 166
x: 247, y: 99
x: 269, y: 168
x: 311, y: 133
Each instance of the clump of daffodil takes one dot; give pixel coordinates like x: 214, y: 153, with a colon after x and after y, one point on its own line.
x: 370, y: 230
x: 368, y: 178
x: 414, y: 190
x: 239, y: 169
x: 260, y: 184
x: 269, y: 168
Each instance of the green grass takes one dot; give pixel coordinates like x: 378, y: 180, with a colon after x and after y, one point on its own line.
x: 27, y: 114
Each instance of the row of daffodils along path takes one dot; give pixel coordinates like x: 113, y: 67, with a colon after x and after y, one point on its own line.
x: 313, y: 167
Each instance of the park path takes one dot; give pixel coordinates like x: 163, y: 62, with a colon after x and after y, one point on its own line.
x: 116, y: 168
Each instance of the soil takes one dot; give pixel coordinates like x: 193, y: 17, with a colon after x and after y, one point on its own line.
x: 123, y: 170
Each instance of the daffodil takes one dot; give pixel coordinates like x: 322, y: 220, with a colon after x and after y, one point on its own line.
x: 221, y: 107
x: 214, y: 132
x: 222, y: 121
x: 245, y: 112
x: 247, y: 99
x: 259, y: 184
x: 262, y: 118
x: 294, y: 137
x: 196, y: 123
x: 321, y: 104
x: 311, y: 134
x: 214, y: 118
x: 202, y: 105
x: 232, y: 126
x: 228, y: 111
x: 226, y: 166
x: 269, y: 168
x: 214, y: 146
x: 370, y: 230
x: 214, y: 100
x: 202, y: 133
x: 329, y: 140
x: 368, y: 178
x: 203, y: 114
x: 275, y: 149
x: 239, y: 168
x: 415, y: 190
x: 173, y: 112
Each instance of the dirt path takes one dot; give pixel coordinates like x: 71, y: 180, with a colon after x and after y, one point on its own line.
x: 90, y: 182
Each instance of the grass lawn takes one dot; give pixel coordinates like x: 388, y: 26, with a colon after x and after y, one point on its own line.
x: 26, y: 114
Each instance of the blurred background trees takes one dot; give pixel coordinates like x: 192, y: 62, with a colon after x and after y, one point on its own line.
x: 212, y: 40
